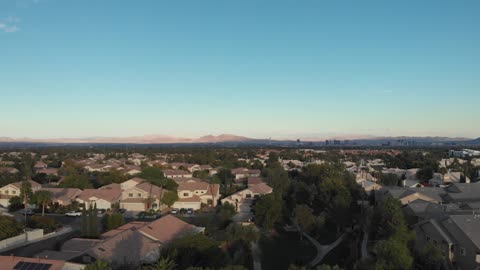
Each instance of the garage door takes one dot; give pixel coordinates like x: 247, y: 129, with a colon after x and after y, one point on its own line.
x: 194, y: 205
x: 133, y: 206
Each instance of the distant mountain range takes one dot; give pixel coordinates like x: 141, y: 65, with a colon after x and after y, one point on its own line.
x: 147, y: 139
x: 232, y: 140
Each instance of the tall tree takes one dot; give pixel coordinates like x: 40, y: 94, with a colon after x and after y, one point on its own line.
x: 43, y: 198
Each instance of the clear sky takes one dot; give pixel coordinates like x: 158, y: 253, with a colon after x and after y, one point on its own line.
x: 249, y: 67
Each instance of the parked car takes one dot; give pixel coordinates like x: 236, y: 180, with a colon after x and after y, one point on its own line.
x: 190, y: 211
x: 26, y: 212
x: 73, y: 214
x: 121, y: 210
x: 182, y: 211
x: 174, y: 211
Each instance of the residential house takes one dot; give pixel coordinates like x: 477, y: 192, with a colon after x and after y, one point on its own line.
x: 177, y: 173
x: 411, y: 183
x: 192, y: 194
x: 9, y: 170
x: 39, y: 165
x: 407, y: 195
x: 102, y: 198
x: 48, y: 171
x: 242, y: 200
x: 63, y: 196
x: 463, y: 192
x: 141, y: 197
x: 131, y: 183
x: 242, y: 173
x: 13, y: 189
x: 251, y: 181
x: 130, y: 246
x: 458, y: 237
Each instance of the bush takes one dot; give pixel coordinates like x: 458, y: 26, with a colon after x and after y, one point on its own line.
x: 9, y: 227
x: 38, y: 222
x: 15, y: 203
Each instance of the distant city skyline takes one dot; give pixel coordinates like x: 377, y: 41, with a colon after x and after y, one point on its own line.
x: 260, y: 69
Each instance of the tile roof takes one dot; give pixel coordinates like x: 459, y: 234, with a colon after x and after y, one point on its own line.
x: 64, y: 194
x: 35, y: 185
x: 261, y: 188
x: 110, y: 195
x: 156, y: 191
x: 167, y: 228
x: 128, y: 226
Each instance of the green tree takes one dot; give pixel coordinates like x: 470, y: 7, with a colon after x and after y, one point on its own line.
x: 431, y: 257
x: 79, y: 181
x: 236, y: 232
x: 162, y: 264
x: 390, y: 179
x: 195, y: 250
x: 201, y: 174
x: 328, y: 267
x: 112, y: 221
x: 268, y: 211
x: 26, y: 193
x: 43, y: 198
x: 169, y: 198
x: 393, y: 254
x: 425, y: 174
x: 15, y: 203
x: 152, y: 173
x: 98, y: 265
x: 277, y: 178
x: 304, y: 218
x: 9, y: 227
x: 90, y: 222
x: 113, y: 176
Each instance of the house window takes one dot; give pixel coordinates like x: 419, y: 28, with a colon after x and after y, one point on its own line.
x: 248, y: 195
x: 14, y: 192
x: 139, y: 195
x: 130, y: 195
x: 463, y: 251
x: 185, y: 194
x: 428, y: 238
x: 435, y: 242
x: 6, y: 191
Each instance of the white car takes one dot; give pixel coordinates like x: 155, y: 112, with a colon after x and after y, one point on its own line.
x: 174, y: 211
x: 73, y: 214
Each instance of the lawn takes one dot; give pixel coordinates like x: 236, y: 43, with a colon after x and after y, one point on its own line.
x: 279, y: 252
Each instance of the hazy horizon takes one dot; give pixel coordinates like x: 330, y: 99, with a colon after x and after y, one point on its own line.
x: 279, y: 69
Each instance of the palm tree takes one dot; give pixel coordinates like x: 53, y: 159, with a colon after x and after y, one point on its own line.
x: 42, y: 197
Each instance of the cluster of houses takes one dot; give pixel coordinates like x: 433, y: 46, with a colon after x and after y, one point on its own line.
x: 136, y: 194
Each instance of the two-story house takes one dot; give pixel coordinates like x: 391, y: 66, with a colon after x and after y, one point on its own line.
x: 192, y: 194
x: 457, y: 236
x: 243, y: 199
x: 13, y: 189
x: 141, y: 197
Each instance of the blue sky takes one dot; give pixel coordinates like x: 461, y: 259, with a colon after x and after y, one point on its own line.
x: 255, y: 68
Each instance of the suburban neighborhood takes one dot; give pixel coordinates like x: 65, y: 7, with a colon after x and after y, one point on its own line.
x: 108, y: 213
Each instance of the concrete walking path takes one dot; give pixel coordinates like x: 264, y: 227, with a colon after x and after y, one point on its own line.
x: 323, y: 250
x: 257, y: 263
x: 364, y: 245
